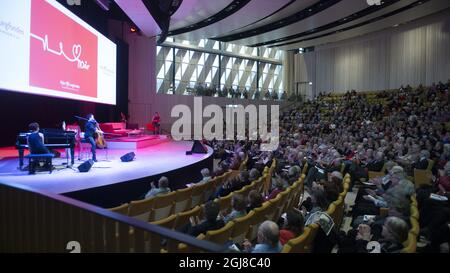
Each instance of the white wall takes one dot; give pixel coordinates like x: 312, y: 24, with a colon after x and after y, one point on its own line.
x: 415, y: 53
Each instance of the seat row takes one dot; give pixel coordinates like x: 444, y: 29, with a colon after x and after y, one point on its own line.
x: 304, y: 243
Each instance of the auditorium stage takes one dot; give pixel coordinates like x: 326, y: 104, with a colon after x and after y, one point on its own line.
x: 111, y: 182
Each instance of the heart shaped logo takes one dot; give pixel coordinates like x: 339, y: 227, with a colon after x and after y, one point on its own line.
x: 76, y: 51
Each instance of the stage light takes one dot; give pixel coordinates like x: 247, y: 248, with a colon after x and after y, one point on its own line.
x: 133, y: 29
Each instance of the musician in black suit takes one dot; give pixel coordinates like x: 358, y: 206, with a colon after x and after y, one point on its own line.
x: 89, y: 133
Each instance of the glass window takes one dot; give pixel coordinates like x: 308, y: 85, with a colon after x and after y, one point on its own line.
x: 159, y: 82
x: 179, y: 71
x: 194, y: 76
x: 243, y: 64
x: 167, y: 67
x: 161, y: 72
x: 216, y: 61
x: 169, y: 55
x: 201, y: 60
x: 203, y: 67
x: 216, y: 45
x: 186, y: 57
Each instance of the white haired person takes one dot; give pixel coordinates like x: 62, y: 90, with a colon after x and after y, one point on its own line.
x: 394, y: 234
x: 268, y: 239
x: 163, y: 188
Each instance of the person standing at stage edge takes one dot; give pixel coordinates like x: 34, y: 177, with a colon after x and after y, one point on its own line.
x: 89, y: 131
x: 156, y: 120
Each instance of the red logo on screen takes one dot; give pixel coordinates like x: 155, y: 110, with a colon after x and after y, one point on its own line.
x: 63, y: 54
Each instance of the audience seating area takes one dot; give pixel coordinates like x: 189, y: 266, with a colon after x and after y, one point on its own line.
x: 332, y: 133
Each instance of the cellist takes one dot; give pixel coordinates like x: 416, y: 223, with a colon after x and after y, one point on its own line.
x: 91, y: 128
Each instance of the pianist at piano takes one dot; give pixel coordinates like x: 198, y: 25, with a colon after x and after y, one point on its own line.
x: 35, y: 141
x: 43, y: 140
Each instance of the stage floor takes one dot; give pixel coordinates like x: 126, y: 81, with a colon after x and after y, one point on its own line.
x: 149, y: 161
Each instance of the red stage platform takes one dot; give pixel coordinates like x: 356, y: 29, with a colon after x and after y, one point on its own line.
x: 134, y: 142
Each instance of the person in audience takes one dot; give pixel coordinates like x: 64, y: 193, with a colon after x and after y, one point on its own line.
x: 279, y: 187
x: 254, y: 200
x: 206, y: 176
x: 376, y: 165
x: 422, y: 162
x: 394, y: 234
x: 396, y: 131
x: 293, y: 226
x: 233, y: 184
x: 268, y: 239
x: 223, y: 168
x: 316, y: 202
x: 211, y: 221
x: 239, y: 208
x: 163, y: 188
x: 254, y: 174
x: 435, y: 213
x: 235, y: 162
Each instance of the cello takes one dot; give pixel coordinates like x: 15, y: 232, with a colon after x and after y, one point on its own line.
x: 100, y: 139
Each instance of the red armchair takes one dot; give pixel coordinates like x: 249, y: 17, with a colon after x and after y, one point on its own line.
x: 116, y: 128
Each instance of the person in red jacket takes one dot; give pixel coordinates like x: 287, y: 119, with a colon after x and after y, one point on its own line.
x: 293, y: 226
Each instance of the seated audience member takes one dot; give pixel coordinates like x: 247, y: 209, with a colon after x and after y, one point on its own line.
x: 254, y: 200
x: 233, y: 184
x: 422, y: 161
x: 211, y: 221
x: 206, y: 176
x: 268, y: 239
x: 163, y: 188
x: 334, y: 183
x: 316, y: 202
x: 237, y: 160
x: 435, y: 214
x: 394, y: 234
x: 279, y: 187
x: 293, y: 226
x: 239, y: 208
x: 294, y: 174
x: 254, y: 175
x: 316, y: 173
x: 223, y: 168
x: 377, y: 164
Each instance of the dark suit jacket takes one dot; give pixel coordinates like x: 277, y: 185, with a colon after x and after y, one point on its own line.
x: 375, y: 166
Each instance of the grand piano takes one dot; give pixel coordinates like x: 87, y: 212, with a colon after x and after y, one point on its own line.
x: 53, y: 139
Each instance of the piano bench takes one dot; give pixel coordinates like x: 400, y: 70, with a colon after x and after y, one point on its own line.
x: 34, y: 159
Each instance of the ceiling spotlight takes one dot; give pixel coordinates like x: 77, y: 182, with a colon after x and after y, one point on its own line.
x: 133, y: 29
